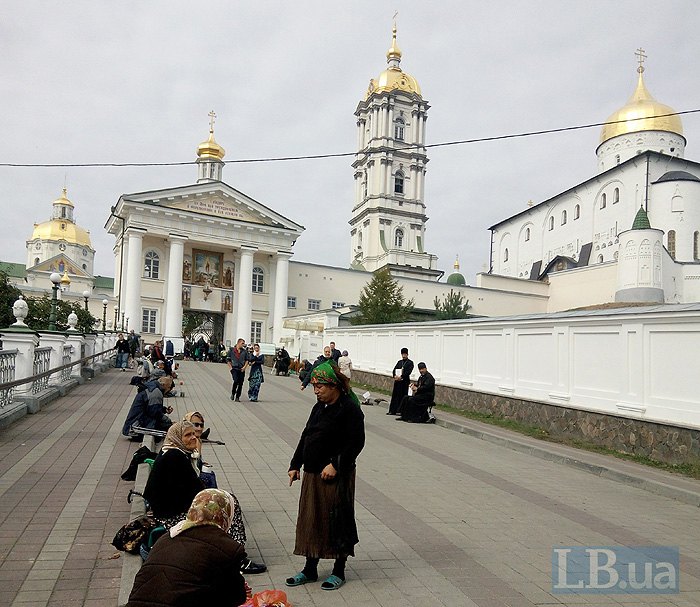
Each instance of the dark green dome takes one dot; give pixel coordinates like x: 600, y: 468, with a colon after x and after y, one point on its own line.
x: 456, y: 279
x: 641, y: 220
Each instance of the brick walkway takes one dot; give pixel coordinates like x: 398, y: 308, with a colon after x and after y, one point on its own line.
x: 444, y: 518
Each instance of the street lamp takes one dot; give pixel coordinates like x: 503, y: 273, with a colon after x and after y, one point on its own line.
x: 123, y: 321
x: 86, y: 296
x: 55, y: 279
x: 116, y: 316
x: 127, y: 324
x: 104, y: 314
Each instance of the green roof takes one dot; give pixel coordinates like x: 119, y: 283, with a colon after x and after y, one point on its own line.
x: 641, y: 220
x: 456, y: 279
x: 14, y: 270
x: 104, y: 282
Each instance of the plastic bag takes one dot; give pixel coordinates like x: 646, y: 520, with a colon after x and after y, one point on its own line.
x: 268, y: 598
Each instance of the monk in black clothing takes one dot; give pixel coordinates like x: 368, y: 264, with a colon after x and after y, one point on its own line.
x: 402, y: 379
x: 415, y: 408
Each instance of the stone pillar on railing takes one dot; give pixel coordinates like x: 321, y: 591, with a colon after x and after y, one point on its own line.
x: 90, y: 339
x: 76, y: 341
x: 99, y: 344
x: 20, y: 337
x: 54, y: 340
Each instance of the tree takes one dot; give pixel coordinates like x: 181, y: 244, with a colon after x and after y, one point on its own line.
x: 40, y: 310
x: 382, y: 301
x: 9, y: 294
x: 454, y: 306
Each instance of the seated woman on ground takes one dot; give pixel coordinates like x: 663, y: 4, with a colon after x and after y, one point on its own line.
x: 174, y: 481
x: 197, y: 562
x: 197, y: 420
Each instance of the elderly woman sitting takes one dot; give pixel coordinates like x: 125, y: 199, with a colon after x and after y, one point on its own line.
x: 174, y: 481
x: 197, y: 562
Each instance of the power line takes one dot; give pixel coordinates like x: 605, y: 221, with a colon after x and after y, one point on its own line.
x: 343, y: 154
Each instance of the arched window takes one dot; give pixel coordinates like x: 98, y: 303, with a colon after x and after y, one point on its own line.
x: 551, y: 223
x: 63, y: 212
x: 258, y: 279
x: 36, y: 259
x: 398, y: 182
x: 399, y: 125
x: 600, y: 259
x: 617, y: 159
x: 398, y: 238
x: 671, y: 243
x: 563, y: 217
x: 616, y: 195
x: 152, y: 265
x: 359, y: 239
x: 527, y: 234
x: 505, y: 255
x: 603, y: 201
x: 696, y: 246
x: 577, y: 211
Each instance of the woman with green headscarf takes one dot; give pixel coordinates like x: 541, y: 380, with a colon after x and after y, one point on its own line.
x: 328, y: 448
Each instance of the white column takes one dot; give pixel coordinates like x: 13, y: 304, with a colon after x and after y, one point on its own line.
x: 281, y: 287
x: 245, y: 294
x: 173, y: 303
x: 132, y: 279
x: 390, y: 116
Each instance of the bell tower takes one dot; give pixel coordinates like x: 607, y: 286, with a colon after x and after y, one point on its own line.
x: 387, y: 227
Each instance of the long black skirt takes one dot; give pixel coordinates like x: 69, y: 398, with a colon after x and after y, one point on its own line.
x: 326, y: 526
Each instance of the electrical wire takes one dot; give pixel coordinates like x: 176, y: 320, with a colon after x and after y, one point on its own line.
x: 344, y: 154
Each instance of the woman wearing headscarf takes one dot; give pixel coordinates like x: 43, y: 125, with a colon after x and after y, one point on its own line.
x: 196, y: 563
x: 328, y: 448
x: 255, y: 377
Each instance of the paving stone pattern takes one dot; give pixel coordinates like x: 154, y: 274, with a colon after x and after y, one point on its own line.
x: 444, y: 518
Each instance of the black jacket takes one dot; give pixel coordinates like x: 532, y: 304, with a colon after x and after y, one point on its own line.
x: 200, y: 566
x: 172, y: 484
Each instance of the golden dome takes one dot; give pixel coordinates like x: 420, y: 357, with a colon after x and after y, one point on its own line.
x: 392, y: 78
x: 65, y: 279
x: 210, y: 149
x: 641, y: 113
x: 58, y: 229
x: 63, y: 199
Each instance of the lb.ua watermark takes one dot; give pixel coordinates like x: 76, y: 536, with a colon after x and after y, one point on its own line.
x: 615, y: 570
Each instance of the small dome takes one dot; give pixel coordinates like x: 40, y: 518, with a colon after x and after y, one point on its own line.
x: 65, y: 279
x: 63, y: 199
x: 456, y: 279
x: 210, y: 149
x: 392, y: 78
x: 641, y: 113
x: 641, y: 220
x: 677, y: 176
x: 57, y: 229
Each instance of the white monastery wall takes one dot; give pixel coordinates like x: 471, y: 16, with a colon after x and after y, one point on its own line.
x: 581, y: 287
x: 613, y: 363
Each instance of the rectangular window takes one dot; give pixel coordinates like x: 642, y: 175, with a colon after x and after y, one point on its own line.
x: 291, y: 302
x: 337, y: 304
x: 314, y: 304
x: 148, y: 320
x: 256, y: 331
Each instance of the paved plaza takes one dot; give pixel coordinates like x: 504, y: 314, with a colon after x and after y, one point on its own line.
x: 444, y: 517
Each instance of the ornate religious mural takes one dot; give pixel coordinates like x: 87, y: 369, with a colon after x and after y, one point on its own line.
x: 226, y: 301
x: 187, y: 268
x: 208, y: 267
x: 186, y: 296
x: 228, y: 275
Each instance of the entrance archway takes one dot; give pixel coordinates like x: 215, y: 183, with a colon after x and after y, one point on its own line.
x: 208, y: 326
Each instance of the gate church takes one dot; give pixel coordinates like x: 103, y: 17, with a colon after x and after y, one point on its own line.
x: 205, y: 248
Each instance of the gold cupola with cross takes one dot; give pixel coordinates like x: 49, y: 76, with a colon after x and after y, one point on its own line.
x: 210, y: 156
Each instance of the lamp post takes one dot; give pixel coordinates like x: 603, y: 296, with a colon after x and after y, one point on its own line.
x: 122, y: 321
x: 116, y: 316
x: 127, y: 324
x: 104, y: 314
x: 86, y: 296
x: 55, y: 279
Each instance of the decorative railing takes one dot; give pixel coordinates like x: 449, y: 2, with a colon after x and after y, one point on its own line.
x: 42, y: 359
x: 8, y: 359
x: 66, y: 371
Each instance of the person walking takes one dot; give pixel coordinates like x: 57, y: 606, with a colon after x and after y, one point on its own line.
x: 335, y: 353
x: 327, y: 451
x: 237, y: 360
x: 402, y: 379
x: 255, y: 377
x: 345, y: 364
x: 122, y: 348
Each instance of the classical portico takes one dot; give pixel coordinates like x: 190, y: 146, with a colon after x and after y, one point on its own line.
x: 204, y: 247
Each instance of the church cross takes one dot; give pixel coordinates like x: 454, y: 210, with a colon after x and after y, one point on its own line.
x: 212, y: 119
x: 640, y: 57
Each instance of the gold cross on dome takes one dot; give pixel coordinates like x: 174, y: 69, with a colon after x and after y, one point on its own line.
x: 640, y: 57
x: 212, y: 119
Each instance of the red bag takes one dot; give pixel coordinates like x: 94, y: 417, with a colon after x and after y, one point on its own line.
x: 269, y: 598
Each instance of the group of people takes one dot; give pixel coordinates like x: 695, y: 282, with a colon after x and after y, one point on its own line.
x: 330, y: 352
x: 201, y: 558
x: 411, y: 401
x: 239, y: 358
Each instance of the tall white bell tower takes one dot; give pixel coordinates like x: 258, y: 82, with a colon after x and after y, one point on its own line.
x: 387, y: 228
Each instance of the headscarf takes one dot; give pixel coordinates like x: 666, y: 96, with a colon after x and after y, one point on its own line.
x: 209, y: 507
x: 173, y: 440
x: 329, y: 373
x: 188, y: 418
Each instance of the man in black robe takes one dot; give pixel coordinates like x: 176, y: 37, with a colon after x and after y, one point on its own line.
x: 415, y: 408
x: 402, y: 379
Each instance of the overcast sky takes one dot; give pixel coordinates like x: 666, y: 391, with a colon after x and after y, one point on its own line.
x: 96, y: 81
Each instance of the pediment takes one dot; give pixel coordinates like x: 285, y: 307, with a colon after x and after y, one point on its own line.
x: 59, y: 263
x: 220, y: 206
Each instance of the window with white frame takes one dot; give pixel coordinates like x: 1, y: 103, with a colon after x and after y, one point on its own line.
x: 577, y: 211
x: 314, y: 304
x: 258, y: 279
x: 151, y: 267
x: 527, y: 234
x: 616, y: 195
x: 255, y: 332
x: 603, y: 201
x: 551, y: 223
x: 505, y: 255
x: 149, y: 320
x: 563, y: 218
x: 291, y: 302
x: 337, y: 304
x: 398, y: 183
x: 399, y: 126
x: 398, y: 238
